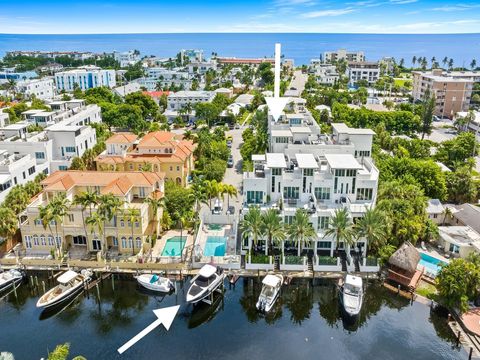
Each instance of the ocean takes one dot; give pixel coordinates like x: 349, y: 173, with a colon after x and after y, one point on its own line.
x: 300, y: 47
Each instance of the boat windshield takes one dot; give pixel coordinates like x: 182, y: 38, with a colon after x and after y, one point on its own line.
x: 267, y: 291
x: 202, y: 281
x: 351, y: 290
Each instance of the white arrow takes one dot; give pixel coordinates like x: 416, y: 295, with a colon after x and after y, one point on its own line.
x: 165, y: 316
x: 276, y: 104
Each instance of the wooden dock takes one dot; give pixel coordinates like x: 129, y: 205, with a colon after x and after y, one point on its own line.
x: 406, y: 294
x: 468, y: 342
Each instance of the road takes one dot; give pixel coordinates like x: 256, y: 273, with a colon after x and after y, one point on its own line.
x: 298, y: 81
x: 234, y: 175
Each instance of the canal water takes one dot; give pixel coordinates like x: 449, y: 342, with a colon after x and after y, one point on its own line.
x: 306, y: 323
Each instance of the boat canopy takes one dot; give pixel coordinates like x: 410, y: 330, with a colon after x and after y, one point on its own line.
x: 271, y: 280
x: 207, y: 270
x: 67, y: 277
x: 354, y: 280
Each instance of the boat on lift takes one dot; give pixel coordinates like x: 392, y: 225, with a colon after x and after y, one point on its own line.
x: 208, y: 279
x: 9, y: 278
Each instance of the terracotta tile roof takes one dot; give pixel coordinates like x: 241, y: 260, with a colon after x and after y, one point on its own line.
x: 120, y: 181
x: 119, y: 186
x: 156, y: 138
x: 156, y: 94
x: 157, y: 194
x: 121, y: 138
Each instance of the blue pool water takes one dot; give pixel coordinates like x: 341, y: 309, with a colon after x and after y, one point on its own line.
x: 431, y: 263
x: 215, y: 246
x: 174, y: 246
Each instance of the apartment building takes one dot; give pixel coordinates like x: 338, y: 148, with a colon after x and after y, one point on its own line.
x: 191, y: 55
x: 320, y: 173
x: 86, y: 77
x: 77, y: 55
x: 254, y: 62
x: 178, y: 100
x: 15, y: 169
x: 158, y: 151
x: 452, y: 92
x: 40, y: 88
x: 126, y: 58
x: 166, y: 78
x: 132, y: 188
x: 368, y: 71
x: 343, y: 54
x: 201, y: 67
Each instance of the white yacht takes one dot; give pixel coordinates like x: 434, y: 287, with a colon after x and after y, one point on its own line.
x: 155, y: 282
x: 10, y: 277
x: 209, y: 278
x: 69, y: 284
x: 352, y: 294
x: 272, y: 283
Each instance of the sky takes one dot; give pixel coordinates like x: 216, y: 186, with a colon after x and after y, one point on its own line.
x: 187, y: 16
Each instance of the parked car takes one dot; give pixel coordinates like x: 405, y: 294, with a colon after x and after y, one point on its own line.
x: 237, y: 126
x: 231, y: 210
x: 229, y: 143
x: 230, y: 161
x: 217, y: 207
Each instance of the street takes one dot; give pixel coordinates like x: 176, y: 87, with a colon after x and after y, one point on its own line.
x: 298, y: 81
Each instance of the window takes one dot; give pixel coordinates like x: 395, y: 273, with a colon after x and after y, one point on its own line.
x: 39, y: 155
x: 254, y: 197
x: 62, y: 167
x: 70, y: 217
x: 454, y: 248
x: 122, y: 223
x: 70, y: 149
x: 291, y: 192
x: 59, y: 240
x: 364, y: 194
x: 137, y: 224
x: 115, y: 241
x: 324, y: 245
x: 178, y: 168
x: 288, y: 219
x: 138, y: 242
x: 31, y: 170
x: 130, y: 242
x: 322, y: 193
x: 43, y: 240
x: 276, y: 171
x: 28, y: 242
x: 141, y: 192
x: 124, y: 242
x: 307, y: 172
x: 323, y: 222
x: 35, y: 240
x: 281, y: 140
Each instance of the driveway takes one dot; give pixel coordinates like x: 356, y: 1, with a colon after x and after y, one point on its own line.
x: 298, y: 81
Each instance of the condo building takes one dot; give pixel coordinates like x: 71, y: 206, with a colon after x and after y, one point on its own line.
x: 368, y: 71
x: 158, y: 151
x: 86, y: 77
x: 452, y: 90
x: 40, y: 88
x: 72, y: 234
x: 180, y: 99
x: 342, y: 54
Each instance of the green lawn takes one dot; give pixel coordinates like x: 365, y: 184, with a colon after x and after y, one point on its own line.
x: 427, y: 290
x: 401, y: 81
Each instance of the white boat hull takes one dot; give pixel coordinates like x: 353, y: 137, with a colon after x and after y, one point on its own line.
x: 197, y: 297
x: 270, y: 293
x: 9, y: 278
x: 45, y: 303
x: 161, y: 285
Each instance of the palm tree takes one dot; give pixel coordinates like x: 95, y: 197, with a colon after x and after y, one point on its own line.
x: 414, y: 60
x: 301, y: 230
x: 155, y: 205
x: 200, y: 195
x: 95, y: 221
x: 447, y: 212
x: 445, y: 61
x: 85, y: 200
x: 272, y: 227
x: 8, y: 223
x: 212, y: 189
x: 131, y: 216
x: 109, y: 206
x: 188, y: 109
x: 450, y: 64
x: 11, y: 85
x: 372, y: 227
x: 473, y: 64
x: 58, y: 208
x: 340, y: 228
x: 230, y: 190
x: 251, y: 225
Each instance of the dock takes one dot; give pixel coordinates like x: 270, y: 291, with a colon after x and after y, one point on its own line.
x: 469, y: 342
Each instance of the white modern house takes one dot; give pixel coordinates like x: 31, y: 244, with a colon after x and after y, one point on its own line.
x: 15, y: 169
x: 40, y: 88
x: 178, y: 100
x: 325, y: 74
x: 362, y: 70
x: 127, y: 58
x: 320, y: 173
x: 86, y: 77
x: 166, y: 78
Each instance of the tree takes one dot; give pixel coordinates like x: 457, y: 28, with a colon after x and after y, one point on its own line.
x: 301, y: 230
x: 85, y: 200
x: 212, y: 189
x: 340, y: 228
x: 251, y: 224
x: 445, y: 61
x: 414, y: 60
x: 155, y: 204
x: 56, y: 210
x: 230, y: 191
x: 450, y: 64
x: 447, y: 212
x: 458, y: 283
x: 108, y: 207
x: 166, y: 221
x: 273, y: 229
x: 373, y: 227
x: 95, y: 222
x: 131, y: 216
x: 60, y: 353
x: 146, y: 104
x: 8, y: 223
x: 426, y: 113
x: 177, y: 199
x: 78, y: 164
x: 461, y: 185
x: 215, y: 169
x: 455, y: 152
x: 473, y: 64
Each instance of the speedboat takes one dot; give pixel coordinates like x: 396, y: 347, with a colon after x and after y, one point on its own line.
x: 155, y: 283
x: 208, y: 279
x: 69, y: 284
x: 10, y: 277
x: 352, y: 294
x: 272, y: 283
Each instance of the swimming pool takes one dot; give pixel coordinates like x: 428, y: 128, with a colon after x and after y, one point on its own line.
x: 432, y: 264
x: 215, y: 246
x: 174, y: 246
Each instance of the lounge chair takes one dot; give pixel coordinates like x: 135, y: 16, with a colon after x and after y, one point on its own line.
x: 423, y: 246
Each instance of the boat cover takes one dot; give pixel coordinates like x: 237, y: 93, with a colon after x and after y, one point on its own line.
x: 153, y: 279
x: 271, y: 280
x: 354, y: 280
x: 207, y: 270
x: 67, y: 277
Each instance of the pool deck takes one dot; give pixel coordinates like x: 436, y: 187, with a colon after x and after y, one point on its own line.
x: 224, y: 231
x: 160, y: 243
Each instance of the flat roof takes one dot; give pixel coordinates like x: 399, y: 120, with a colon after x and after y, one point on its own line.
x: 258, y: 157
x: 45, y: 113
x: 343, y: 128
x: 306, y: 161
x: 32, y: 111
x: 300, y: 130
x: 276, y: 160
x: 278, y: 133
x: 16, y: 126
x: 342, y: 161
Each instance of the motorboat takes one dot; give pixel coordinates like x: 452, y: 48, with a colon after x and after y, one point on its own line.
x: 352, y: 294
x: 272, y: 283
x: 69, y: 284
x: 155, y: 283
x: 9, y: 278
x: 208, y: 279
